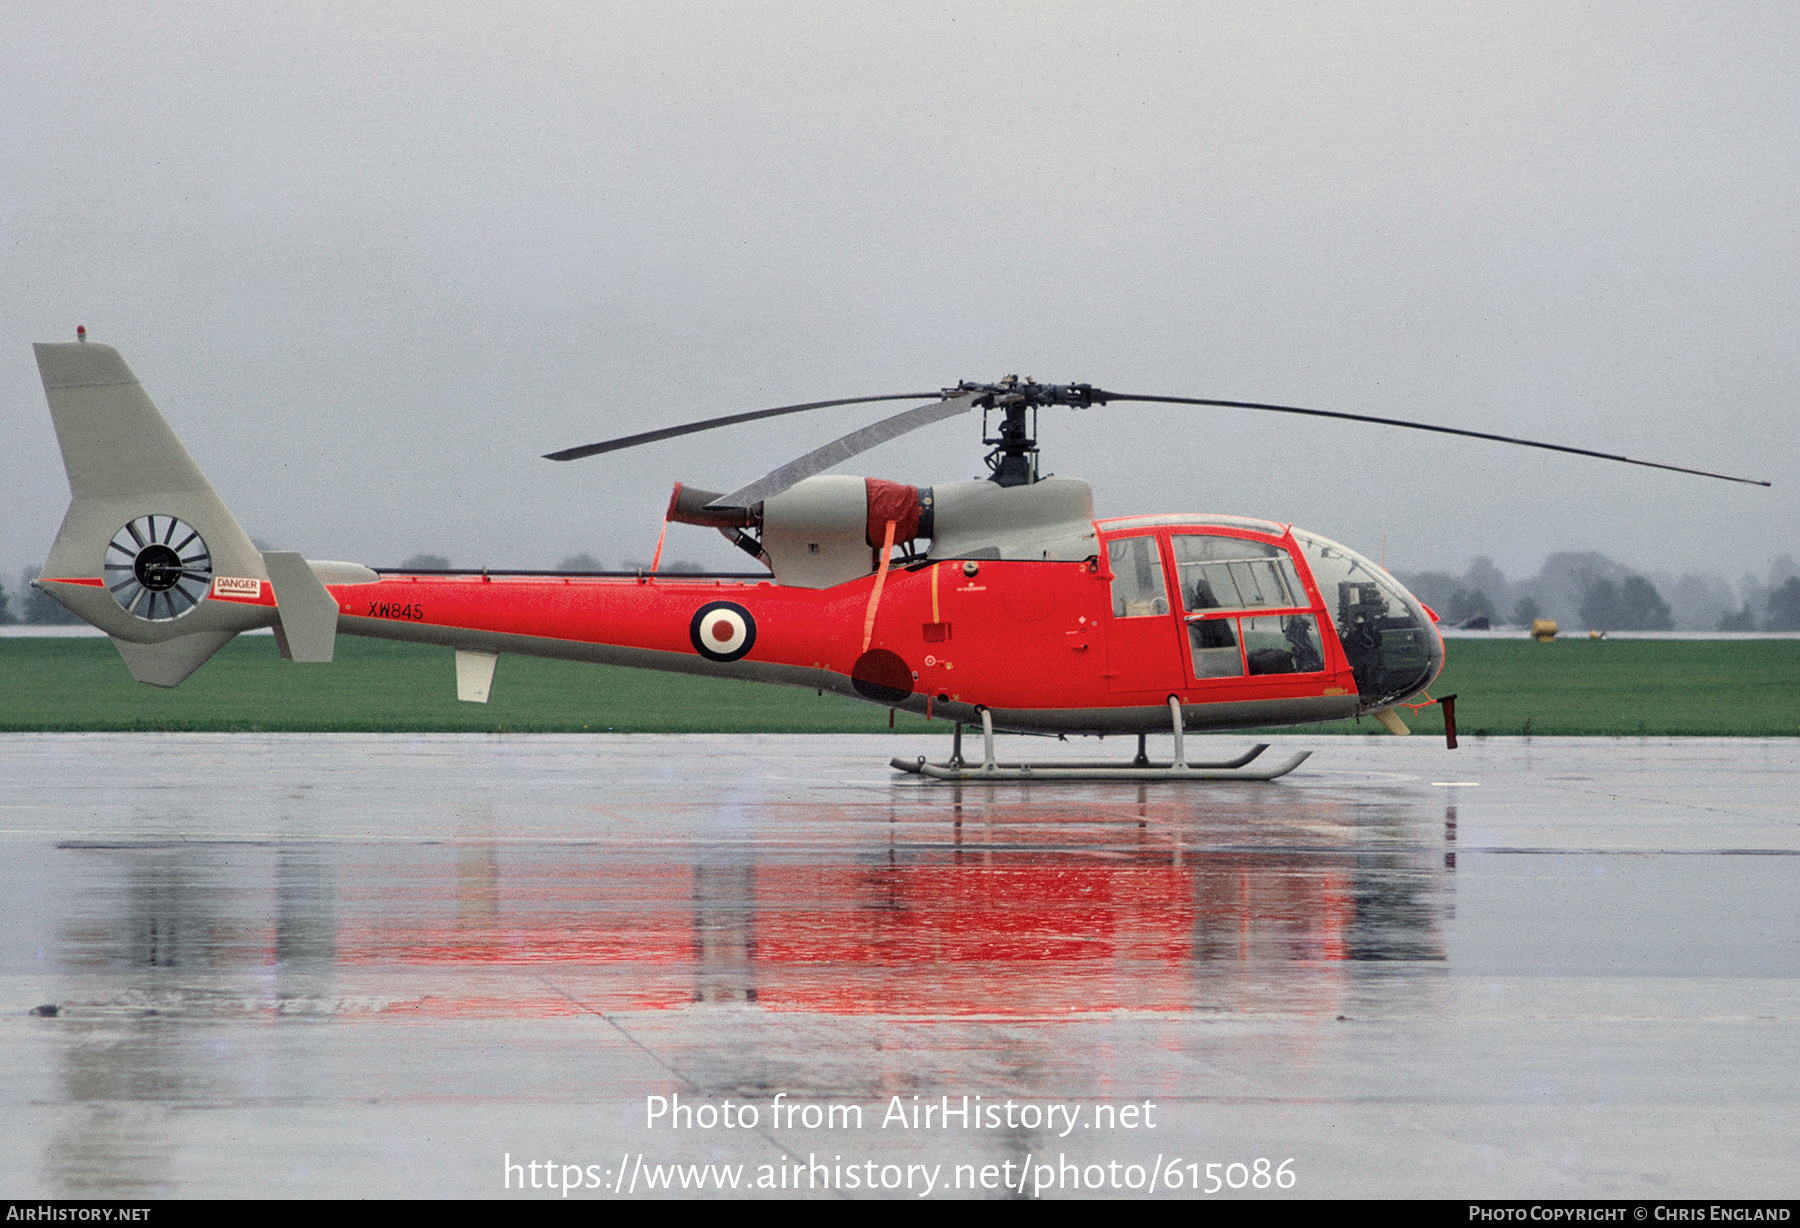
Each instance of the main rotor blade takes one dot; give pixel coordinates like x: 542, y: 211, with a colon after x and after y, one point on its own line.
x: 821, y: 459
x: 691, y: 428
x: 1098, y: 395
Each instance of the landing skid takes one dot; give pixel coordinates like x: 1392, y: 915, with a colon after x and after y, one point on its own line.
x: 1140, y: 768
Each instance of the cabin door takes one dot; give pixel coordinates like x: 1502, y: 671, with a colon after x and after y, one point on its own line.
x: 1142, y: 638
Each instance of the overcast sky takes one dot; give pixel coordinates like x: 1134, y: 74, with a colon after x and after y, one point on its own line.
x: 372, y: 260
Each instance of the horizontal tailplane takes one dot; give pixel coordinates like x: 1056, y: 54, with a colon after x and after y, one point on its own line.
x: 170, y: 662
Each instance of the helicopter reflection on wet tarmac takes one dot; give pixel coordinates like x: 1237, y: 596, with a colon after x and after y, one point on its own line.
x: 379, y: 964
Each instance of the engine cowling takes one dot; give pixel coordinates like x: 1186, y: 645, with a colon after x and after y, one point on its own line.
x: 829, y: 529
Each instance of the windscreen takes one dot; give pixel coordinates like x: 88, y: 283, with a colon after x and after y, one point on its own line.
x: 1392, y: 646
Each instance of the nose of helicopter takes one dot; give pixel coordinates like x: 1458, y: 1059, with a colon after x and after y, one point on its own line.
x: 1392, y: 644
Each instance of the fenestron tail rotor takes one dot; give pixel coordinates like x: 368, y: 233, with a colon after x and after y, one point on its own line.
x: 158, y: 568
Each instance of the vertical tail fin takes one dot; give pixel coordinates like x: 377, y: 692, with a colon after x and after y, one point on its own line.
x: 148, y: 552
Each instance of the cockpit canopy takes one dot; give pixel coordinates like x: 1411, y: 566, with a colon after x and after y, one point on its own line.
x: 1248, y: 611
x: 1392, y: 646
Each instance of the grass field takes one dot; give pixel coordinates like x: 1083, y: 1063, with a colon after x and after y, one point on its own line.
x: 1620, y: 687
x: 1581, y: 687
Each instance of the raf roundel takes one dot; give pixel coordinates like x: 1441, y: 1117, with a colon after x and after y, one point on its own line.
x: 722, y: 631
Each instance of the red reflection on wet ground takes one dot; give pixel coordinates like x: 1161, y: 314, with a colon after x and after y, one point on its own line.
x: 1018, y: 932
x: 1008, y: 908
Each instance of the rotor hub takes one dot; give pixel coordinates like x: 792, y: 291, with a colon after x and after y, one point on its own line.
x: 1013, y: 461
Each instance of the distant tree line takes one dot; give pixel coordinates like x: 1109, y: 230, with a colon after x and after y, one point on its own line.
x: 32, y: 607
x: 1591, y: 592
x: 1784, y: 607
x: 1631, y: 605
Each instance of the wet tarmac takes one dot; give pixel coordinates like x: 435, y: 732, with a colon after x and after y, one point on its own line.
x: 360, y: 965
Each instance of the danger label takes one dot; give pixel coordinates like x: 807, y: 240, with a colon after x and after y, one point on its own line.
x: 237, y: 586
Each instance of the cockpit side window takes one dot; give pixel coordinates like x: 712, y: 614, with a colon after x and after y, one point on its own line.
x: 1215, y: 648
x: 1221, y: 575
x: 1138, y: 589
x: 1283, y: 644
x: 1234, y: 573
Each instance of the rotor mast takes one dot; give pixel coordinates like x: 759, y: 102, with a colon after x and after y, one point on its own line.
x: 1013, y: 460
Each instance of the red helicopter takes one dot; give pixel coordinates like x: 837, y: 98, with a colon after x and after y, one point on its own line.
x: 1002, y: 603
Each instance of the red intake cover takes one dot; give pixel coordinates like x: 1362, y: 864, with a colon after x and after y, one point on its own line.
x: 893, y: 501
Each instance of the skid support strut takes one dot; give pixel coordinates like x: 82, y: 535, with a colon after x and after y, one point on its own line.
x: 1140, y: 768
